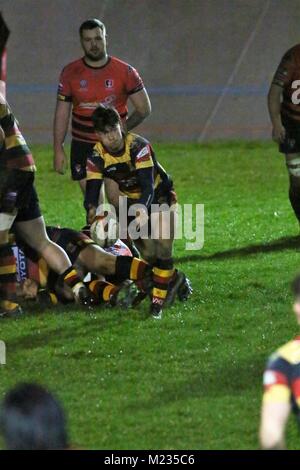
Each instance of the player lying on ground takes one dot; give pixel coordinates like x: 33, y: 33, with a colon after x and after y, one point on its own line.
x: 130, y: 161
x: 19, y: 207
x: 282, y: 387
x: 34, y: 274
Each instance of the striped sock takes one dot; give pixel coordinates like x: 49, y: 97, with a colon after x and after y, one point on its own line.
x: 163, y: 272
x: 72, y: 279
x: 130, y: 268
x: 103, y: 291
x: 8, y: 277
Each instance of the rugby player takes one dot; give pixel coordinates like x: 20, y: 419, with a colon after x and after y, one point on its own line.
x: 115, y: 263
x: 282, y: 387
x: 284, y: 110
x: 85, y: 83
x: 129, y: 160
x: 19, y: 207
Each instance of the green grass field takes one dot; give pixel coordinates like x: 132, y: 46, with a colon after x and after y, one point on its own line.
x: 192, y: 380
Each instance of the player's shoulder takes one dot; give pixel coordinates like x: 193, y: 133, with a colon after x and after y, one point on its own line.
x: 292, y: 53
x: 121, y: 64
x: 73, y: 67
x: 289, y: 353
x: 98, y: 150
x: 137, y: 140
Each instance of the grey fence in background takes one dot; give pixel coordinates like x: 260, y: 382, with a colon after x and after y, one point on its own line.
x: 206, y: 63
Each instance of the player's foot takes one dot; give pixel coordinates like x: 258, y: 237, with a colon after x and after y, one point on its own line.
x: 184, y: 290
x: 85, y: 297
x: 10, y: 309
x: 125, y: 295
x: 180, y: 286
x: 156, y: 311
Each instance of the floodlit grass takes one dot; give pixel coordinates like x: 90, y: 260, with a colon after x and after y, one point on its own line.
x: 192, y: 380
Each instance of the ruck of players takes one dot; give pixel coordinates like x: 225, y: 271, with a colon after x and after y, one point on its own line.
x: 87, y: 265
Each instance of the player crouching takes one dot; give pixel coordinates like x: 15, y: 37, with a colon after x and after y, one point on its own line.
x: 146, y: 189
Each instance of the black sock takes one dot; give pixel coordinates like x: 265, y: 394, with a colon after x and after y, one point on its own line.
x: 294, y: 194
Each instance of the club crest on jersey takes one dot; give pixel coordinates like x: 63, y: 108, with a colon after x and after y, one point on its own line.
x: 83, y: 84
x: 109, y: 83
x: 143, y: 155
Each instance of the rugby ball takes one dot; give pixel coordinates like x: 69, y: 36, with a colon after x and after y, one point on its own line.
x: 105, y: 230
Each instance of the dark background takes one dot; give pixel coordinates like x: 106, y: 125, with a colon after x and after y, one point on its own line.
x: 207, y: 64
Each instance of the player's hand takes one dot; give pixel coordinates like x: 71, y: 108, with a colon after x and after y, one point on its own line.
x: 60, y: 161
x: 141, y: 218
x: 278, y: 133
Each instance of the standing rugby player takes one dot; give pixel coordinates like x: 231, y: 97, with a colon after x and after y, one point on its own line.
x: 85, y: 83
x: 284, y: 109
x: 130, y: 162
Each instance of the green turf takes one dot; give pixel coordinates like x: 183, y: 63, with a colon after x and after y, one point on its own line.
x: 192, y: 380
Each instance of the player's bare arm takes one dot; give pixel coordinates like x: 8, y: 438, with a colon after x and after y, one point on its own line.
x: 274, y: 102
x: 61, y: 122
x: 274, y: 417
x: 142, y: 108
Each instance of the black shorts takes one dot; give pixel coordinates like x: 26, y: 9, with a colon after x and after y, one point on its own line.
x: 291, y: 143
x: 71, y: 241
x: 79, y: 154
x: 17, y: 192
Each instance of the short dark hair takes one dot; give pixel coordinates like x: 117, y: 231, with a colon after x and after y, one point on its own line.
x: 296, y: 286
x: 32, y: 419
x: 91, y: 24
x: 104, y: 116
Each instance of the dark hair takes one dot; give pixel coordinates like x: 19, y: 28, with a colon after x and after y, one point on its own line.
x: 296, y: 286
x: 91, y: 24
x: 103, y: 117
x: 32, y: 419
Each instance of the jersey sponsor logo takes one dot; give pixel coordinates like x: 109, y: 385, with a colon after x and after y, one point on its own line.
x: 143, y: 154
x: 93, y: 105
x: 21, y: 264
x: 109, y: 83
x: 113, y: 168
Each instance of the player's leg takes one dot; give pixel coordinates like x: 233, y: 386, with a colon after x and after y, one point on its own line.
x: 8, y: 271
x: 96, y: 260
x: 293, y: 167
x: 163, y: 268
x: 11, y: 183
x: 33, y: 232
x: 78, y: 157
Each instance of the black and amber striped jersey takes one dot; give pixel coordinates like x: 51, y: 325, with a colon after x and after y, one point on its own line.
x: 287, y: 76
x: 282, y: 376
x: 15, y: 153
x: 124, y: 167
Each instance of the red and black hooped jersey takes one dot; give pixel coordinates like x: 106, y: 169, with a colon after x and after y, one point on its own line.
x: 86, y: 87
x: 282, y: 376
x: 287, y: 76
x: 15, y: 153
x: 122, y: 167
